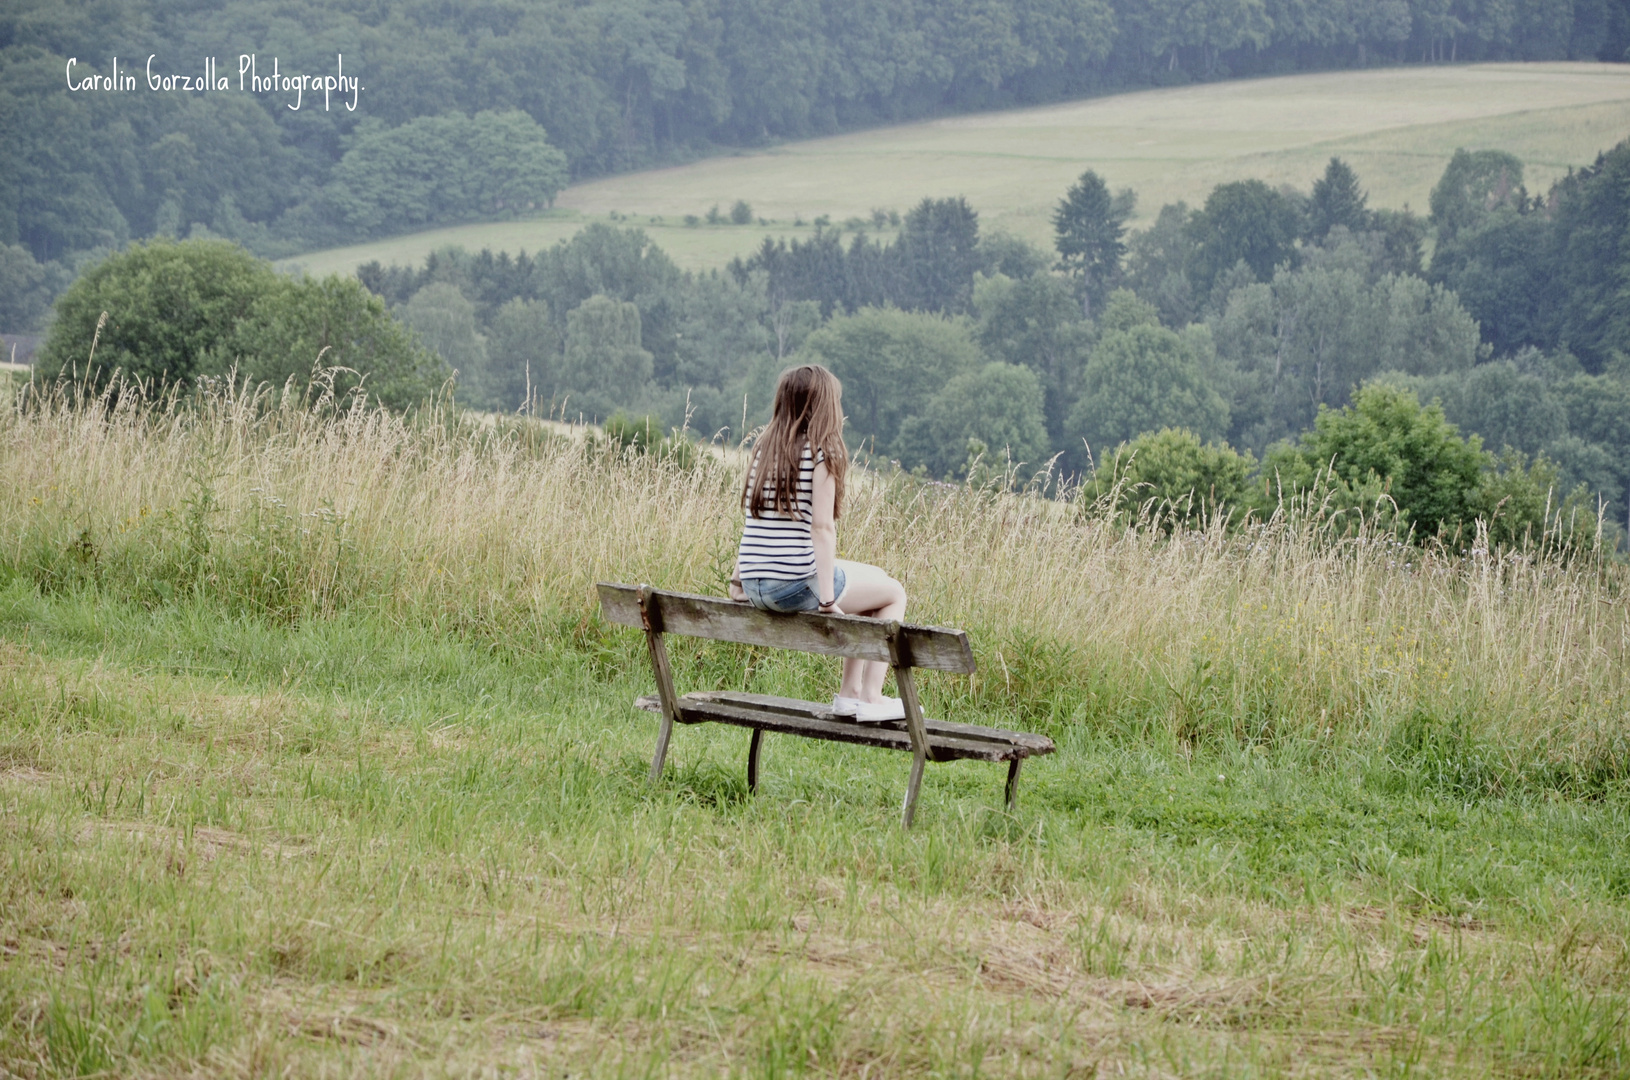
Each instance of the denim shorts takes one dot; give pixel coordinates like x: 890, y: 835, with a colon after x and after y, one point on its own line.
x: 774, y: 594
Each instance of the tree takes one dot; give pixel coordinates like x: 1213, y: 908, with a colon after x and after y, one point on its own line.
x: 1500, y: 266
x: 524, y: 347
x: 1337, y: 200
x: 1592, y: 261
x: 892, y: 363
x: 624, y: 264
x: 1598, y: 408
x: 1307, y: 339
x: 1246, y: 221
x: 1475, y: 183
x: 1520, y: 501
x: 1157, y: 264
x: 1089, y: 224
x: 1034, y: 321
x: 724, y: 325
x: 617, y: 85
x: 1509, y: 408
x: 168, y: 304
x: 939, y: 254
x: 333, y: 323
x: 1012, y: 255
x: 1403, y: 233
x: 445, y: 321
x: 994, y: 411
x: 446, y: 168
x: 1144, y: 377
x: 27, y: 288
x: 604, y: 365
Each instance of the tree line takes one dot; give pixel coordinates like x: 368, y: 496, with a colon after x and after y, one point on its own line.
x: 483, y: 109
x: 1268, y: 337
x: 1239, y: 323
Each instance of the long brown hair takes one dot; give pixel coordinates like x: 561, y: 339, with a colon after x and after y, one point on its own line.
x: 808, y: 408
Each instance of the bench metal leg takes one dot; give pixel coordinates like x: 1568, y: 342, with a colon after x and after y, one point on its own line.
x: 917, y: 761
x: 1011, y: 795
x: 752, y: 760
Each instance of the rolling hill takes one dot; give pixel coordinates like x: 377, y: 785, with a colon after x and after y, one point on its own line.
x: 1396, y: 126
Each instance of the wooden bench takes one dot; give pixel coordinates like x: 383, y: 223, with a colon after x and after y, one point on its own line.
x: 902, y: 646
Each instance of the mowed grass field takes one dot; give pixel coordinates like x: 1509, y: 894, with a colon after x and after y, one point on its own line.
x: 1396, y: 126
x: 317, y: 760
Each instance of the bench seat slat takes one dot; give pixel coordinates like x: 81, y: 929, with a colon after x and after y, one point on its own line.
x: 932, y: 647
x: 819, y: 722
x: 843, y: 731
x: 1036, y: 744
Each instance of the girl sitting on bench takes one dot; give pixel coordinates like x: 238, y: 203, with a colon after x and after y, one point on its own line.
x: 788, y: 560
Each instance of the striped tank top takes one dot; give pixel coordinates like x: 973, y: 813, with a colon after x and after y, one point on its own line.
x: 776, y: 545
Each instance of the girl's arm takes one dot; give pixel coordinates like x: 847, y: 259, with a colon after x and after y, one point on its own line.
x: 824, y: 531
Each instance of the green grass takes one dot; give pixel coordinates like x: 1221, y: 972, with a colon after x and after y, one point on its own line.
x: 357, y: 847
x: 1396, y: 126
x: 315, y: 760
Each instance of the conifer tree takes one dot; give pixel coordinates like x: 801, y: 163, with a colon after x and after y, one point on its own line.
x: 1337, y: 200
x: 1089, y: 224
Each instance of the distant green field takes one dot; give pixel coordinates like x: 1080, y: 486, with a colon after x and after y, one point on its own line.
x: 1397, y: 127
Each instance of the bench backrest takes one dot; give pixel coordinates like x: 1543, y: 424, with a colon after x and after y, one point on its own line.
x: 932, y: 647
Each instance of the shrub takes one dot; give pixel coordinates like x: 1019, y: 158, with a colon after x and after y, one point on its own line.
x: 644, y: 435
x: 1383, y: 451
x: 1389, y: 458
x: 1176, y: 475
x: 168, y: 305
x: 177, y: 311
x: 1523, y: 503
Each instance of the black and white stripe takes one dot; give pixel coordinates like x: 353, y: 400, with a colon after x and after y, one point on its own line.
x: 776, y: 545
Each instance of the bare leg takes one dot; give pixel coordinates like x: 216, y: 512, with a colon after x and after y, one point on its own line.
x: 868, y: 591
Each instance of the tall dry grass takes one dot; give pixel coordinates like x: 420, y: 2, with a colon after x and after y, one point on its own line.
x: 1509, y: 667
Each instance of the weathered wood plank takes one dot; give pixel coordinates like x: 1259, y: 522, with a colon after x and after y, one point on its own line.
x: 913, y: 785
x: 1036, y: 744
x: 932, y: 647
x: 620, y: 604
x: 900, y: 659
x: 695, y: 710
x: 665, y: 690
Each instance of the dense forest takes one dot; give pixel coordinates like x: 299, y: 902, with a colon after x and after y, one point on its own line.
x: 488, y: 107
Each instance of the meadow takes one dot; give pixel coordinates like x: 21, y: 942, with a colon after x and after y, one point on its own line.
x: 1397, y: 127
x: 316, y: 759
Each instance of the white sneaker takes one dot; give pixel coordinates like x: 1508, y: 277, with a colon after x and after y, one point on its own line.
x: 881, y: 712
x: 845, y: 706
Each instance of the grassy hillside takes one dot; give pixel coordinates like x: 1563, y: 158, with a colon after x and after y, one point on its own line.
x: 1396, y: 126
x: 315, y: 759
